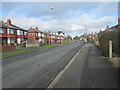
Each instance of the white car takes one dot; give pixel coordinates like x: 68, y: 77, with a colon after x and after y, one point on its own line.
x: 85, y: 41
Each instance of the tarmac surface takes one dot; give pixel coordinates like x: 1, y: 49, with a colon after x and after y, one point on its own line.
x: 36, y: 69
x: 89, y: 70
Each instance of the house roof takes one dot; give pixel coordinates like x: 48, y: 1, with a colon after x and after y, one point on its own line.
x: 5, y: 25
x: 31, y: 30
x: 34, y: 30
x: 16, y: 27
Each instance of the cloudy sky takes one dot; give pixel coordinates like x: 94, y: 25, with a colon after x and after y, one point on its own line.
x: 70, y: 17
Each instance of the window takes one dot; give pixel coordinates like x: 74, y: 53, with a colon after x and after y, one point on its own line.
x: 10, y: 31
x: 53, y: 36
x: 1, y: 31
x: 21, y: 32
x: 25, y: 33
x: 43, y: 35
x: 39, y: 34
x: 18, y: 32
x: 36, y: 34
x: 10, y: 40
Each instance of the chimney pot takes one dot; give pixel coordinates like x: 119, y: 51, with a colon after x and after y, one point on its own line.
x: 107, y: 28
x: 36, y: 28
x: 9, y: 22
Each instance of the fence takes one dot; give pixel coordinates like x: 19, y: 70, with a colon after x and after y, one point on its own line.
x: 104, y: 38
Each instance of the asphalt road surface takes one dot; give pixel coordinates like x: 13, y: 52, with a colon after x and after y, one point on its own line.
x: 37, y: 69
x: 90, y: 70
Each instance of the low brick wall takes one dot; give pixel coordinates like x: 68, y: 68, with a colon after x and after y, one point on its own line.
x: 7, y: 48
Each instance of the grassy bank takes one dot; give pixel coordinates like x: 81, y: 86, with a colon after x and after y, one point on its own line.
x: 22, y: 51
x: 12, y: 53
x: 48, y: 46
x: 68, y: 43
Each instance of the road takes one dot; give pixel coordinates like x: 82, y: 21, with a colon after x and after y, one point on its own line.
x: 37, y: 69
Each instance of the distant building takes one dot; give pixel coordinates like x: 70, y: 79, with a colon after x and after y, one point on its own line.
x: 47, y: 37
x: 35, y: 35
x: 57, y: 37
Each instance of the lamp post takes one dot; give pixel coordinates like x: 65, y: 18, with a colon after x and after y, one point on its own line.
x: 51, y: 9
x: 86, y: 32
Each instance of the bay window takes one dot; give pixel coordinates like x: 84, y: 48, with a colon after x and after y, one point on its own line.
x: 19, y: 32
x: 10, y: 31
x: 10, y: 40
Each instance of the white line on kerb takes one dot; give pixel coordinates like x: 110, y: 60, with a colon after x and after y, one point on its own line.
x: 52, y: 84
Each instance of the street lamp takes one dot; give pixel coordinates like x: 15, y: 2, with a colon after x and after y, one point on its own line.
x: 86, y: 32
x: 51, y: 8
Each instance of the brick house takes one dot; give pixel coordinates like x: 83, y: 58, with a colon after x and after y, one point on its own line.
x: 54, y: 38
x: 60, y: 36
x: 9, y: 35
x: 57, y: 37
x: 48, y: 38
x: 7, y: 39
x: 35, y: 35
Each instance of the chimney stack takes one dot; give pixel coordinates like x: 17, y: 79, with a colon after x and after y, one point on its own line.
x: 49, y: 31
x: 36, y: 28
x: 118, y: 20
x: 9, y: 22
x: 107, y: 28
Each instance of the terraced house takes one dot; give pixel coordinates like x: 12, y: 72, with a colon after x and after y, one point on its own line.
x: 35, y: 36
x: 10, y: 35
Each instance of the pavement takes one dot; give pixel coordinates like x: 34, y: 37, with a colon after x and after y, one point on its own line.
x: 88, y: 70
x: 37, y: 69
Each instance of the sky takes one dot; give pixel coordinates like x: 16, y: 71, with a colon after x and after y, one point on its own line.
x: 69, y: 17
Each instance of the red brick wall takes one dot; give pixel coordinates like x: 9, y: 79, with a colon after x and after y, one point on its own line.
x: 4, y: 31
x: 32, y: 35
x: 7, y: 48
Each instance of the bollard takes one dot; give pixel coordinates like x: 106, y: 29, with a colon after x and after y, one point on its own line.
x: 110, y: 48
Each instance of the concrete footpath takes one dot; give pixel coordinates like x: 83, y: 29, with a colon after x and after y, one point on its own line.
x: 89, y: 70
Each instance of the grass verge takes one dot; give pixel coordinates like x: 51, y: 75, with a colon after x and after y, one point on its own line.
x: 48, y: 46
x: 12, y: 53
x: 17, y: 52
x: 68, y: 43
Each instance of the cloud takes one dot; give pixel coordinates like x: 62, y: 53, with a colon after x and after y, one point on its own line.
x: 71, y: 18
